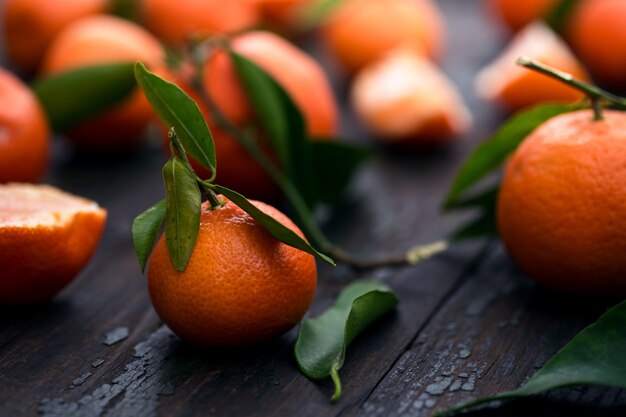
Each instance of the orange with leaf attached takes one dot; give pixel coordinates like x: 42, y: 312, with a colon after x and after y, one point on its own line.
x: 301, y: 77
x: 31, y: 25
x: 362, y: 31
x: 24, y: 132
x: 99, y: 40
x: 241, y: 285
x: 562, y: 203
x: 46, y: 238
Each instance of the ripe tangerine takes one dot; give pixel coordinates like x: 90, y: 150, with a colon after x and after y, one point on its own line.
x: 562, y: 200
x: 241, y: 286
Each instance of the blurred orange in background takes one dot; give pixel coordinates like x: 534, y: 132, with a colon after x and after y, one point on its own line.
x: 515, y: 87
x: 178, y: 21
x: 406, y: 100
x: 361, y: 31
x: 597, y: 32
x: 516, y: 14
x: 29, y: 26
x: 24, y: 132
x: 105, y: 39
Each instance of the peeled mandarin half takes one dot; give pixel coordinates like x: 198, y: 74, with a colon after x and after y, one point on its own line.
x: 515, y: 87
x: 404, y: 98
x: 47, y: 236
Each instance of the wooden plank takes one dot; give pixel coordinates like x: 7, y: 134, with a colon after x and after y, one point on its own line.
x: 490, y: 336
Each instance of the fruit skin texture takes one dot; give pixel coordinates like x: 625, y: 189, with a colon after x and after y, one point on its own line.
x: 98, y: 40
x: 562, y: 203
x: 177, y: 21
x: 516, y: 14
x: 31, y: 25
x: 597, y: 32
x: 406, y: 100
x: 515, y: 87
x: 361, y: 31
x: 46, y: 238
x: 24, y: 132
x: 241, y: 286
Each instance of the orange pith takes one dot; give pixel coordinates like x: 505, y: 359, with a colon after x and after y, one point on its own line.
x: 241, y: 286
x: 24, y: 133
x: 562, y: 200
x: 46, y: 238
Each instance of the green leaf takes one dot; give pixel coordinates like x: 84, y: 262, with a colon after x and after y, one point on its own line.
x: 176, y: 109
x: 337, y: 162
x: 318, y: 11
x: 559, y: 14
x: 322, y: 342
x: 485, y: 223
x: 593, y: 357
x: 75, y: 96
x: 320, y: 169
x: 490, y: 155
x: 274, y: 227
x: 146, y: 229
x: 183, y: 211
x: 281, y: 119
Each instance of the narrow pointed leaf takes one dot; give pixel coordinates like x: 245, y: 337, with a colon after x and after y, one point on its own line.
x: 176, y: 109
x: 146, y: 229
x: 490, y: 155
x: 275, y: 228
x: 322, y: 341
x: 595, y: 356
x: 280, y: 118
x: 77, y: 95
x: 183, y: 211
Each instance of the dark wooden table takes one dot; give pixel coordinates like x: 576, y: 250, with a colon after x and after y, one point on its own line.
x: 468, y: 323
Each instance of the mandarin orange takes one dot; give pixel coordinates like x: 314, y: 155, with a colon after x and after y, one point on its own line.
x: 46, y: 238
x: 24, y: 132
x: 406, y: 100
x: 31, y: 25
x: 361, y: 31
x: 562, y: 202
x: 241, y: 286
x: 98, y: 40
x: 514, y: 87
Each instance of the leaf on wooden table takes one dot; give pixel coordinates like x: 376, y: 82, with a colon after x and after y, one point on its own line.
x: 182, y: 221
x: 75, y: 96
x: 595, y: 356
x: 274, y: 227
x: 322, y: 341
x: 176, y: 109
x: 145, y: 231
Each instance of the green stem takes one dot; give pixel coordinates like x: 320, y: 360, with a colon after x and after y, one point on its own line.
x: 334, y: 375
x: 595, y: 94
x: 301, y: 208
